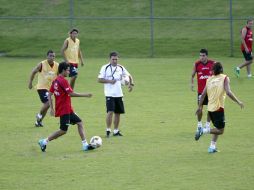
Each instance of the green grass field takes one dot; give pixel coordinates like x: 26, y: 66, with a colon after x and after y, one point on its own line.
x: 158, y: 150
x: 131, y: 37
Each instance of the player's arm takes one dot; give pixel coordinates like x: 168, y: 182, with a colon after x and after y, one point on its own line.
x: 131, y: 83
x: 243, y: 35
x: 64, y: 47
x: 230, y: 93
x: 192, y: 77
x: 33, y: 73
x: 76, y: 94
x: 102, y: 76
x: 52, y: 111
x: 102, y: 80
x: 201, y: 101
x: 80, y: 55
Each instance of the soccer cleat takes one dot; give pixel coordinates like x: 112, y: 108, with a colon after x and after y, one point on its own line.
x: 212, y: 150
x: 117, y: 134
x: 237, y: 72
x: 43, y: 147
x: 107, y: 134
x: 199, y: 133
x: 88, y: 147
x: 198, y: 126
x: 38, y: 124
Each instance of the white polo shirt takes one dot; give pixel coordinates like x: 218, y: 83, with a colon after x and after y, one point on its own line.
x: 110, y: 72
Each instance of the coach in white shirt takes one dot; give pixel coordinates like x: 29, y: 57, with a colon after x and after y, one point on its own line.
x: 111, y: 75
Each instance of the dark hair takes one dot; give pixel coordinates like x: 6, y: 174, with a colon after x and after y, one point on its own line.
x: 217, y: 68
x: 74, y: 30
x: 63, y: 66
x: 50, y: 51
x: 204, y: 51
x: 249, y: 20
x: 113, y: 53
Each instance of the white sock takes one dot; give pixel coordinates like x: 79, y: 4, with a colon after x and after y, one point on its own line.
x: 207, y: 124
x: 213, y: 145
x: 206, y: 130
x: 108, y: 129
x: 237, y: 68
x: 199, y: 123
x: 84, y: 142
x: 249, y: 75
x: 45, y: 141
x: 39, y: 116
x: 116, y: 131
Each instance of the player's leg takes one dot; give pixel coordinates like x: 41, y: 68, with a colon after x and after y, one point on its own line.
x: 119, y: 109
x: 116, y: 125
x: 109, y: 117
x: 73, y: 75
x: 43, y: 94
x: 215, y: 135
x: 218, y: 120
x: 74, y: 119
x: 44, y: 109
x: 110, y: 106
x: 248, y: 60
x: 208, y: 121
x: 64, y: 124
x: 212, y: 148
x: 248, y: 68
x: 199, y: 115
x: 72, y: 81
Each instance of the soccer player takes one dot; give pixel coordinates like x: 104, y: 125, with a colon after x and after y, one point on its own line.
x: 63, y: 108
x: 203, y: 69
x: 246, y: 48
x: 217, y: 86
x: 47, y: 72
x: 72, y: 54
x: 110, y: 75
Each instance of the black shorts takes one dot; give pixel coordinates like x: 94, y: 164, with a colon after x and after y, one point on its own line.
x: 247, y: 56
x: 205, y: 102
x: 43, y: 94
x: 218, y: 119
x: 115, y: 104
x: 66, y: 120
x: 73, y: 71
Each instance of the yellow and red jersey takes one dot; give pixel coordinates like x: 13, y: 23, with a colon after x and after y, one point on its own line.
x: 72, y: 51
x: 203, y: 70
x: 46, y: 75
x: 248, y: 39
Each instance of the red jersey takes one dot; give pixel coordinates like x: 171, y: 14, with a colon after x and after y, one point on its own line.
x: 61, y: 89
x: 203, y: 72
x: 248, y: 40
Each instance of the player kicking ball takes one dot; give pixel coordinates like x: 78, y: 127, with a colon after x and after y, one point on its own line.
x: 217, y: 86
x: 63, y: 108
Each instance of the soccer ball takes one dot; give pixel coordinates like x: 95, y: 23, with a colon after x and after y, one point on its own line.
x: 96, y: 141
x: 125, y: 80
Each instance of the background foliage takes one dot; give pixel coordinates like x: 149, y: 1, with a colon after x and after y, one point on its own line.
x: 103, y: 27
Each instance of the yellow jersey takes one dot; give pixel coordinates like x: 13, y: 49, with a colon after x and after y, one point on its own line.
x: 47, y: 75
x: 215, y: 92
x: 72, y: 51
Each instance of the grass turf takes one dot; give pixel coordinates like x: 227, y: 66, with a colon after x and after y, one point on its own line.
x: 157, y: 151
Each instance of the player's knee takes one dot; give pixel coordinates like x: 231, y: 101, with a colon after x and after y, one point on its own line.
x: 110, y: 113
x: 47, y: 105
x: 80, y: 124
x: 221, y: 131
